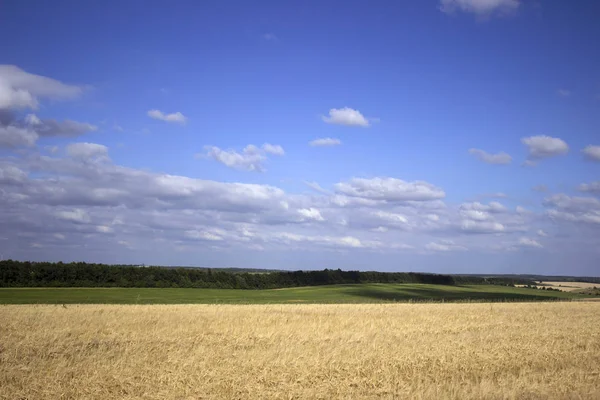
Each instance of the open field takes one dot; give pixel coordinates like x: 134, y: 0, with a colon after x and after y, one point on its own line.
x: 363, y: 293
x: 570, y: 286
x: 429, y: 351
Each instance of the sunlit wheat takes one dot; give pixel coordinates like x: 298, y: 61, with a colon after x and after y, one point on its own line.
x: 404, y: 351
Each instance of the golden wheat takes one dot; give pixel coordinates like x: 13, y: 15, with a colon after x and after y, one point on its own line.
x: 408, y: 351
x: 570, y: 286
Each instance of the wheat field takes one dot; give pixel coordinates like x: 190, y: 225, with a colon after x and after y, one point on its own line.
x: 393, y: 351
x: 570, y: 286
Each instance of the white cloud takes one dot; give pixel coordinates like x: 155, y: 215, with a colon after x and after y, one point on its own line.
x: 381, y: 220
x: 481, y: 8
x: 9, y: 174
x: 176, y: 117
x: 87, y: 151
x: 492, y: 206
x: 251, y: 149
x: 53, y: 128
x: 251, y: 158
x: 473, y: 226
x: 390, y: 217
x: 20, y: 89
x: 432, y: 217
x: 499, y: 158
x: 572, y: 203
x: 203, y: 235
x: 444, y: 245
x: 478, y: 218
x: 380, y: 229
x: 274, y: 149
x: 476, y: 215
x: 13, y: 136
x: 76, y: 215
x: 326, y: 241
x: 544, y: 146
x: 542, y: 233
x: 399, y: 217
x: 589, y: 217
x: 593, y: 187
x: 522, y: 210
x: 346, y: 116
x: 99, y: 204
x: 311, y: 214
x: 389, y: 189
x: 592, y: 153
x: 104, y: 229
x: 528, y: 242
x: 348, y: 201
x: 32, y: 119
x: 25, y: 132
x: 573, y: 209
x: 325, y: 142
x: 246, y: 161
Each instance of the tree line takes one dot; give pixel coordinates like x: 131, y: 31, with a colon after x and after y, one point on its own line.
x: 80, y: 274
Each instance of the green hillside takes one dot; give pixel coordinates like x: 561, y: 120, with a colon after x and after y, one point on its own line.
x: 361, y: 293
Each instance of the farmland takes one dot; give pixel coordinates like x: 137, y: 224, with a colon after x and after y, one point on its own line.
x: 361, y: 293
x: 428, y: 351
x: 570, y: 286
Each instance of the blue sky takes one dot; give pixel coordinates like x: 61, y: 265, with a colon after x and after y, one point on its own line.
x: 442, y: 135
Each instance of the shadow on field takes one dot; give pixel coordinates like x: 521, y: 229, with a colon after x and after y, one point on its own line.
x: 443, y: 294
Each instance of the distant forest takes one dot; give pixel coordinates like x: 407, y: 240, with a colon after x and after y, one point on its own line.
x: 79, y: 274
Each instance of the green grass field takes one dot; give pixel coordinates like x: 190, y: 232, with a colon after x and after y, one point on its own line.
x: 365, y: 293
